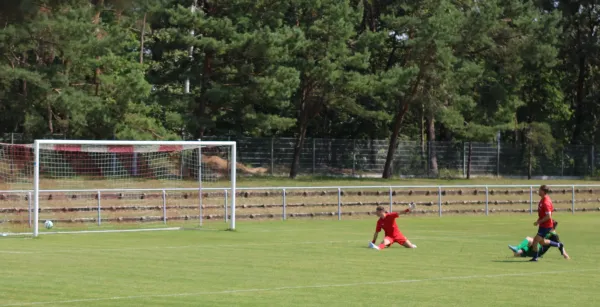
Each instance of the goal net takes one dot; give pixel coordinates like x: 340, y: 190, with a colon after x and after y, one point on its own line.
x: 83, y: 185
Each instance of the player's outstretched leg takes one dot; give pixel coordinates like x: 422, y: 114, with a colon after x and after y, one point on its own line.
x: 564, y: 253
x: 524, y: 245
x: 408, y: 244
x: 402, y: 240
x: 559, y: 245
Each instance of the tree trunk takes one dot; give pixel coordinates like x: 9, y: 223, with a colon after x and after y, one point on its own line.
x: 579, y: 108
x: 387, y: 168
x: 205, y: 84
x: 50, y: 125
x: 422, y: 132
x: 529, y: 163
x: 142, y: 39
x: 304, y: 115
x: 517, y: 133
x: 580, y: 112
x: 298, y: 149
x: 96, y: 21
x: 399, y: 118
x: 469, y: 160
x: 433, y: 165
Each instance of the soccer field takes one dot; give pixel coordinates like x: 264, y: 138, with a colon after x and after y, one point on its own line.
x: 460, y: 261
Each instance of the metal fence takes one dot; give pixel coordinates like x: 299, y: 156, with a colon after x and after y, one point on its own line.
x: 412, y: 159
x: 22, y: 138
x: 568, y: 198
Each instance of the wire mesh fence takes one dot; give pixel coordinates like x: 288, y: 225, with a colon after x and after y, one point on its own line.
x: 412, y: 158
x: 319, y: 156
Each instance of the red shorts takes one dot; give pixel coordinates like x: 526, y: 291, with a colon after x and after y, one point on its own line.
x: 401, y: 239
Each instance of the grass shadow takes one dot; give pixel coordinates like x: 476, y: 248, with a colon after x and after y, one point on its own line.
x: 511, y: 260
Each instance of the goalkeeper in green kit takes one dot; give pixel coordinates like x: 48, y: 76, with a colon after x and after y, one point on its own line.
x: 524, y: 248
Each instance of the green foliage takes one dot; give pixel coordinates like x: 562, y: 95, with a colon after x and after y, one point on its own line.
x: 65, y: 73
x: 301, y: 68
x: 539, y: 138
x: 539, y: 143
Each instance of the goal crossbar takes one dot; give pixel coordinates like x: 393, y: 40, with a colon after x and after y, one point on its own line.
x: 42, y: 144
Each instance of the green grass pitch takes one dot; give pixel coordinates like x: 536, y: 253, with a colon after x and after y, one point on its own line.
x: 460, y: 261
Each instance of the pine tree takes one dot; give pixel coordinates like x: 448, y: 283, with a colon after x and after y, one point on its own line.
x: 322, y: 54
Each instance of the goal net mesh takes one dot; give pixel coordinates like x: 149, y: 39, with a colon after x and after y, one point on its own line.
x: 89, y: 186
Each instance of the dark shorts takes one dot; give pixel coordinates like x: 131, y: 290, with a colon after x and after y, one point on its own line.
x: 542, y: 232
x: 531, y: 253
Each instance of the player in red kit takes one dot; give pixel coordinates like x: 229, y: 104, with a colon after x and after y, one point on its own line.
x: 544, y: 222
x: 387, y: 222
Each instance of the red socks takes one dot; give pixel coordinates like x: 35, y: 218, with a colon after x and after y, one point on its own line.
x: 381, y: 246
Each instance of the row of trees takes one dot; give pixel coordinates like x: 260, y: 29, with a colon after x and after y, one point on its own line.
x: 463, y: 70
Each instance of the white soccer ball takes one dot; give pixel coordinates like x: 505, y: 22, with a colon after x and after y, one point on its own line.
x: 49, y: 224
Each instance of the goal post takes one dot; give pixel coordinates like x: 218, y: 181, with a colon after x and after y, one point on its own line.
x: 157, y: 178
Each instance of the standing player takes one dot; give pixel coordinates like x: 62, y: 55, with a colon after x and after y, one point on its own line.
x: 387, y: 222
x: 545, y: 223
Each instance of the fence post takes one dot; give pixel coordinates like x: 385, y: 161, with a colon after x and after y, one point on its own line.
x: 562, y: 162
x: 391, y: 200
x: 530, y: 200
x: 314, y: 156
x: 339, y: 204
x: 181, y: 165
x: 397, y: 162
x: 272, y: 155
x: 440, y: 200
x: 284, y: 215
x: 353, y: 157
x: 225, y: 205
x: 464, y: 156
x: 99, y: 208
x: 29, y: 204
x: 593, y: 160
x: 164, y: 197
x: 487, y: 201
x: 573, y: 200
x: 498, y: 157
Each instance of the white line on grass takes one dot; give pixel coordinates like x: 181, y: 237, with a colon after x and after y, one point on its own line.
x: 91, y: 231
x: 15, y: 252
x: 108, y: 231
x: 233, y: 291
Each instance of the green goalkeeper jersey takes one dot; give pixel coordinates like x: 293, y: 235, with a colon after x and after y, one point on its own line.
x: 527, y: 252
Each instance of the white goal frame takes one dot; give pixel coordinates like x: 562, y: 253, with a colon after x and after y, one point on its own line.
x: 39, y: 143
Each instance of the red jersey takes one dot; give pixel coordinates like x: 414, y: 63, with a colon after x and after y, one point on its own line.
x: 388, y: 224
x: 545, y: 208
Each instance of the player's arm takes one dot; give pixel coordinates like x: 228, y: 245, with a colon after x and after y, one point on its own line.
x: 377, y: 230
x: 411, y: 206
x: 376, y: 234
x: 375, y: 237
x: 544, y: 219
